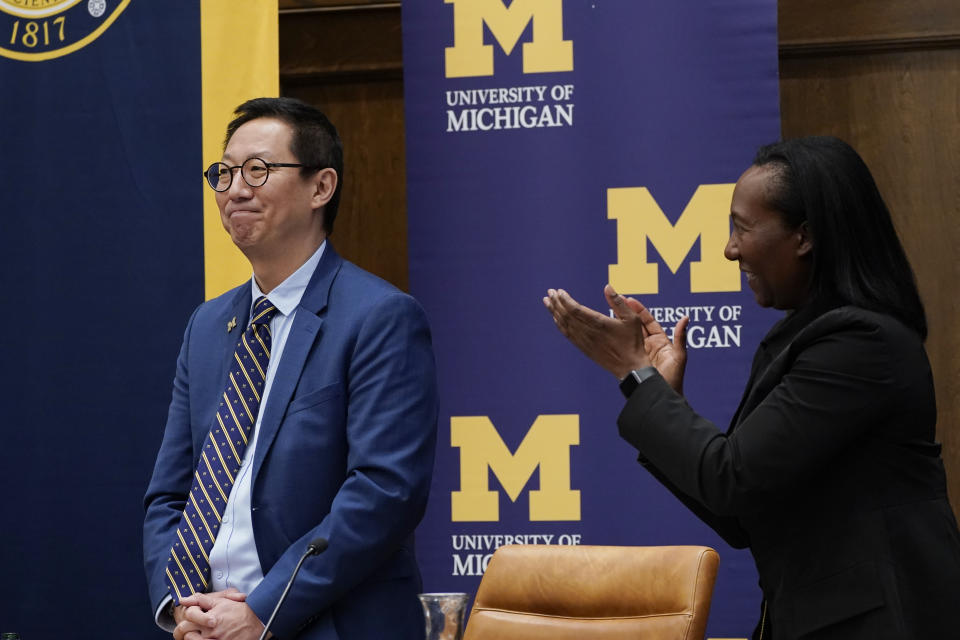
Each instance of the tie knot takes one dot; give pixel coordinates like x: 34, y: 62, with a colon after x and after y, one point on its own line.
x: 263, y: 311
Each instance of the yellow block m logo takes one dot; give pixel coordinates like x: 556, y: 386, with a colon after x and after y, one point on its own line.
x: 547, y: 445
x: 639, y: 217
x: 547, y: 51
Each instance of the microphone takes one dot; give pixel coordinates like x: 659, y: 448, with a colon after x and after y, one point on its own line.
x: 316, y: 547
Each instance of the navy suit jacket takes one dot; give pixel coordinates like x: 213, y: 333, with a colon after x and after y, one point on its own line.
x: 345, y: 452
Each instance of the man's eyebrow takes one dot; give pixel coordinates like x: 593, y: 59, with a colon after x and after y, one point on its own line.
x: 258, y: 154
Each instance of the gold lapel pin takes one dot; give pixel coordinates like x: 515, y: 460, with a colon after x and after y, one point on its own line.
x: 231, y: 324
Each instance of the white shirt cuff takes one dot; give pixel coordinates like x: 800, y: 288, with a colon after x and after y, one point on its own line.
x: 164, y: 620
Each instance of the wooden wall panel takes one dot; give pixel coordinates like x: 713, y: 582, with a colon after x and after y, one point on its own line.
x: 347, y: 61
x: 360, y: 42
x: 885, y: 76
x: 371, y: 228
x: 867, y: 23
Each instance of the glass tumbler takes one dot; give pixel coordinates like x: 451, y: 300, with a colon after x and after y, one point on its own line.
x: 444, y: 613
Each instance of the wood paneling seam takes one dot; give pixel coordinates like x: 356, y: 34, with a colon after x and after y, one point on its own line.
x: 339, y: 8
x: 804, y: 48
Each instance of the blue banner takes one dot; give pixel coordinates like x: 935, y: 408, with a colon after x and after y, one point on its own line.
x: 570, y: 143
x: 102, y: 265
x: 103, y: 261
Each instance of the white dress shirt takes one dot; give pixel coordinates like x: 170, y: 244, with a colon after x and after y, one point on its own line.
x: 233, y: 559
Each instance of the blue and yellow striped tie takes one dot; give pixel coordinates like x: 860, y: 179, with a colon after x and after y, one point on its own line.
x: 188, y: 568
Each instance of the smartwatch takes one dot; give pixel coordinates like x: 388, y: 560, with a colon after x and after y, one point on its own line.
x: 634, y: 378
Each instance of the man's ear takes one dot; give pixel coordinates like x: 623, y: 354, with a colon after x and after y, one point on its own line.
x: 325, y: 184
x: 804, y: 240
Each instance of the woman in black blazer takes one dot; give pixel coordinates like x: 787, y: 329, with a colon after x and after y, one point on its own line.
x: 830, y: 472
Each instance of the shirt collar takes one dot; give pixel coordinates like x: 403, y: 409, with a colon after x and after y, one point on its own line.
x: 287, y: 295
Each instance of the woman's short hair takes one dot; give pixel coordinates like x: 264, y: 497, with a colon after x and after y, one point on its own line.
x: 822, y: 182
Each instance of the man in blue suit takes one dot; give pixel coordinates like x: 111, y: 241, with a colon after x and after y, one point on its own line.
x: 319, y: 377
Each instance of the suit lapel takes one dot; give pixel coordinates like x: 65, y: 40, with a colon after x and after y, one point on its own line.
x: 770, y: 363
x: 759, y: 360
x: 759, y: 386
x: 221, y: 339
x: 234, y: 324
x: 304, y: 332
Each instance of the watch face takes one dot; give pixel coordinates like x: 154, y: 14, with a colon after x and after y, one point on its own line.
x: 628, y: 384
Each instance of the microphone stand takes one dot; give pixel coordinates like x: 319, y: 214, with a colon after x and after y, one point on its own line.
x: 315, y: 547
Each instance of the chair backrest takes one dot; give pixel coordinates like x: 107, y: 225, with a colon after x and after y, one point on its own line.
x: 540, y: 592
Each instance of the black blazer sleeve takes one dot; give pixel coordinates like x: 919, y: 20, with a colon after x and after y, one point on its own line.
x: 726, y: 527
x: 831, y: 385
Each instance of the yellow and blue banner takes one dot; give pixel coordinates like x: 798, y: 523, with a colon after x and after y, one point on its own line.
x: 109, y: 111
x: 571, y: 143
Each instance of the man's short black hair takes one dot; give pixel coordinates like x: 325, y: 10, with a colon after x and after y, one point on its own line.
x: 315, y: 144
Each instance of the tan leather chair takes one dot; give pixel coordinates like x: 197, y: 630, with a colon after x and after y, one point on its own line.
x: 540, y: 592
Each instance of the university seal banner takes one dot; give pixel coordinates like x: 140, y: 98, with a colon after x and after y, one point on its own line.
x: 109, y: 110
x: 571, y: 143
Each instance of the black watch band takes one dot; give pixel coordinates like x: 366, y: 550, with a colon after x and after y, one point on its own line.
x: 629, y: 384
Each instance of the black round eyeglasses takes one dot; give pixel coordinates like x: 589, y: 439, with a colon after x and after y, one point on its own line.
x: 255, y: 172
